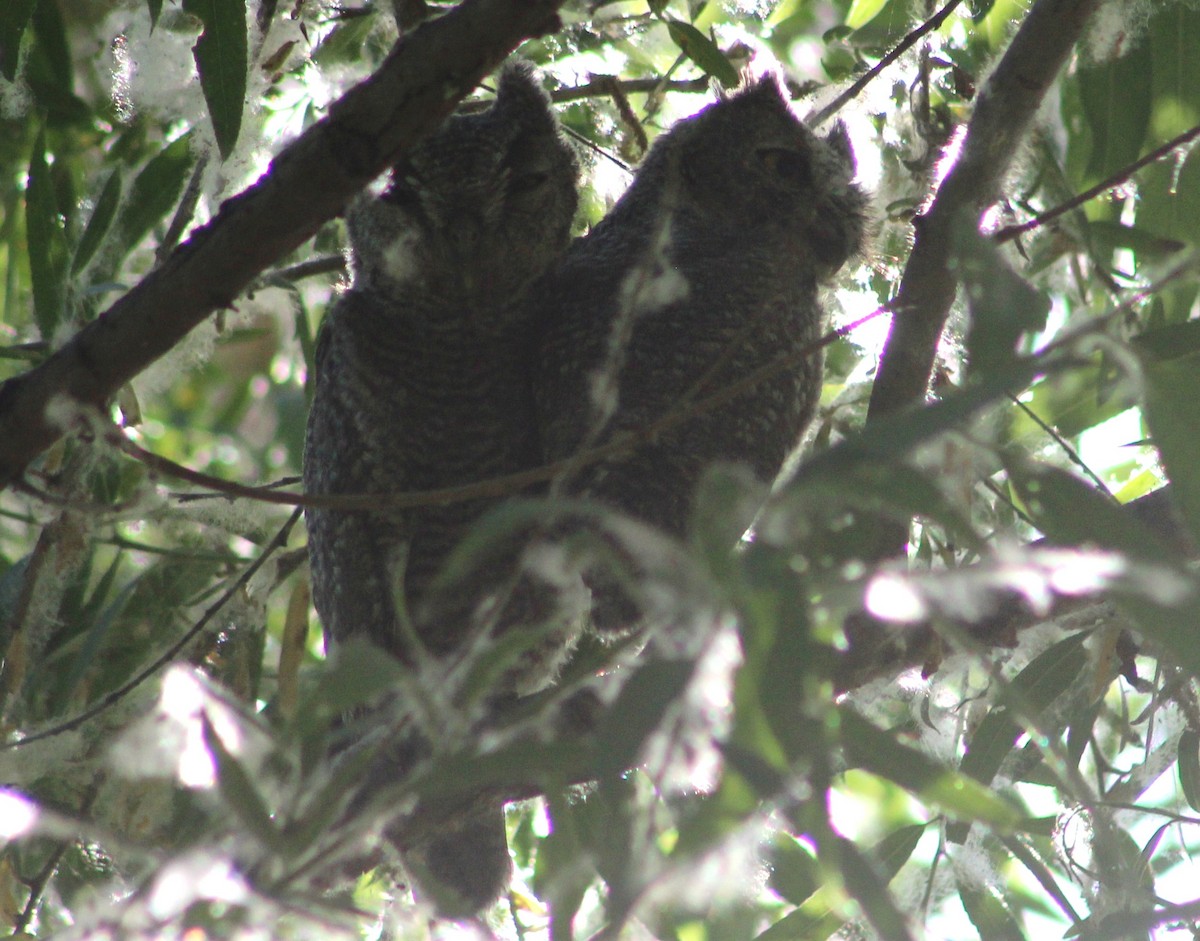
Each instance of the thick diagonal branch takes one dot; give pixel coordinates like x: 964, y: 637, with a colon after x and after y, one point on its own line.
x: 1003, y: 113
x: 310, y: 182
x: 1004, y: 110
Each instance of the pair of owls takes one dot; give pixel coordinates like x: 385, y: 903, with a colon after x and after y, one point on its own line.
x: 476, y: 342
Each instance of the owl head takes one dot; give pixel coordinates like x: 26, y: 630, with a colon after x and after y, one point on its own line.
x: 746, y: 166
x: 475, y: 211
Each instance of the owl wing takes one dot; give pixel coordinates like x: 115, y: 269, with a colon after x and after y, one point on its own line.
x: 353, y: 554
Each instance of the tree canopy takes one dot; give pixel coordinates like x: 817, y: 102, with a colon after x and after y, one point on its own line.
x: 945, y: 688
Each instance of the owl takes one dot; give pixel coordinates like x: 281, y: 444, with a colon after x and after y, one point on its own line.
x: 706, y: 269
x: 423, y: 382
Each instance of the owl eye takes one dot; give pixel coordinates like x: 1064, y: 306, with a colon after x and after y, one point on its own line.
x: 524, y: 182
x: 788, y: 165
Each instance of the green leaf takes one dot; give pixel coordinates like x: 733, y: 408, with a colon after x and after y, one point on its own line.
x: 155, y: 8
x: 862, y: 12
x: 1156, y: 594
x: 99, y: 222
x: 559, y: 878
x: 1002, y: 304
x: 894, y: 850
x: 1173, y: 38
x: 1172, y: 410
x: 1034, y: 688
x: 989, y: 914
x: 97, y: 633
x: 52, y: 41
x: 868, y: 887
x: 14, y: 18
x: 797, y: 876
x: 637, y: 712
x: 358, y: 673
x: 153, y: 194
x: 886, y: 26
x: 1174, y: 341
x: 1071, y: 513
x: 238, y: 790
x: 47, y: 242
x: 1169, y: 200
x: 702, y: 51
x: 879, y: 752
x: 1189, y: 768
x: 1116, y: 99
x: 221, y: 59
x: 1108, y: 236
x: 328, y: 802
x: 794, y: 872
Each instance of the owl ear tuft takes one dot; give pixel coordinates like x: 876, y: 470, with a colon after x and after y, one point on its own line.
x: 520, y: 98
x: 839, y: 142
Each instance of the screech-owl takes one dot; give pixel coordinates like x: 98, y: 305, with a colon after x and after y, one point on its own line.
x: 705, y: 270
x: 422, y: 382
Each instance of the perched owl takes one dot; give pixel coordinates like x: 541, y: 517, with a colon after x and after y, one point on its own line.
x: 705, y: 270
x: 423, y: 382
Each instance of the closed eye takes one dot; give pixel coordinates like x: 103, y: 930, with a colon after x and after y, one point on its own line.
x: 789, y: 166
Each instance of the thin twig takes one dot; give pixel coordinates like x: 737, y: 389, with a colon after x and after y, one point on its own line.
x: 1121, y: 176
x: 507, y: 484
x: 901, y: 47
x: 173, y: 651
x: 37, y: 888
x: 602, y: 85
x: 325, y: 264
x: 184, y: 212
x: 1070, y: 452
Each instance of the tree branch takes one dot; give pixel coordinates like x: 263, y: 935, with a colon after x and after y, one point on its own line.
x: 365, y: 132
x: 1004, y: 110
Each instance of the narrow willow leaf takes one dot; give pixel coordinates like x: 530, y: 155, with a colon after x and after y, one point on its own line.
x: 153, y: 193
x: 638, y: 711
x: 862, y: 12
x: 894, y: 850
x: 702, y: 51
x: 794, y: 871
x: 47, y: 249
x: 1116, y: 101
x: 51, y: 35
x: 1172, y: 411
x: 868, y: 887
x: 1035, y: 687
x: 155, y: 8
x: 14, y: 18
x: 238, y: 790
x: 99, y: 222
x: 895, y: 438
x: 989, y: 914
x: 1003, y: 305
x: 221, y: 59
x: 292, y: 647
x: 1189, y: 768
x: 797, y: 877
x: 354, y: 676
x: 878, y: 752
x: 1071, y: 513
x: 558, y: 877
x: 1152, y: 590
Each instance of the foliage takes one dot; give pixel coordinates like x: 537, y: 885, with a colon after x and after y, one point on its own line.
x: 775, y: 765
